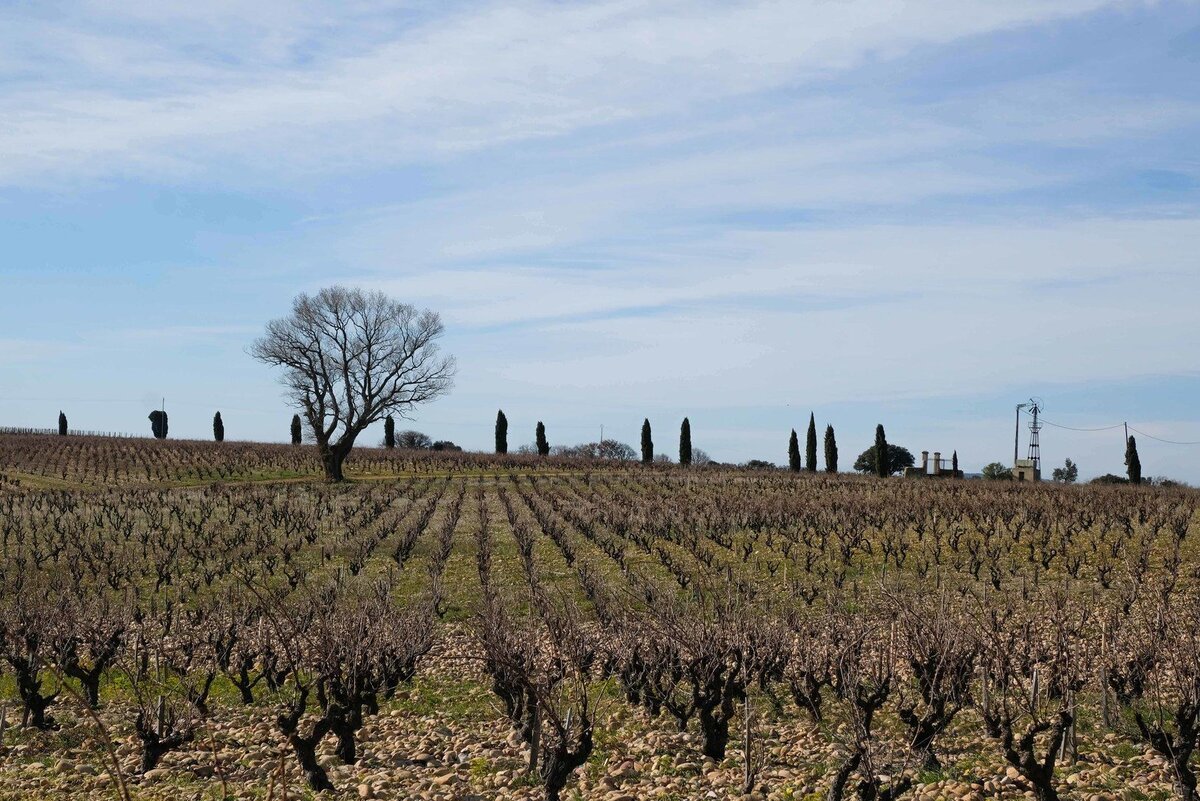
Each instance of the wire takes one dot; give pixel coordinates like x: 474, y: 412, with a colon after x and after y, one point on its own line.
x: 1160, y: 439
x: 1110, y: 428
x: 1070, y: 428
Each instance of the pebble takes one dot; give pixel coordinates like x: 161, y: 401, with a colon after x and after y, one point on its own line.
x: 437, y: 758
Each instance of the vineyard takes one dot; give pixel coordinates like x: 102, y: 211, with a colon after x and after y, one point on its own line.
x: 204, y: 620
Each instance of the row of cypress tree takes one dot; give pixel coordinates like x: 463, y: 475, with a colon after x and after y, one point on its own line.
x: 809, y: 462
x: 543, y: 445
x: 1133, y: 464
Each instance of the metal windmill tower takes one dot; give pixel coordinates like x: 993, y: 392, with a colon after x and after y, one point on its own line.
x: 1035, y: 450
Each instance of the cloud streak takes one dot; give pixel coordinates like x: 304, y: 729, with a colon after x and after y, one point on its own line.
x: 476, y: 78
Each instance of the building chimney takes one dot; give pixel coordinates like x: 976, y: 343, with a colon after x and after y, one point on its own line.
x: 924, y: 461
x: 937, y: 463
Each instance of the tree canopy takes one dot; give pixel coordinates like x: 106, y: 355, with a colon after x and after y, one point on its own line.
x: 996, y: 472
x: 351, y: 357
x: 685, y: 443
x: 1133, y: 464
x: 413, y: 441
x: 831, y: 450
x: 899, y: 458
x: 501, y: 432
x: 1067, y: 474
x: 810, y: 445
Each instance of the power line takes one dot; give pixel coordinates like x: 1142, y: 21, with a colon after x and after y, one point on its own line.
x: 1160, y: 439
x: 1071, y: 428
x: 1115, y: 426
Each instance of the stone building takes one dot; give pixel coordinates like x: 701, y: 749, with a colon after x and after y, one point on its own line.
x: 938, y: 469
x: 1027, y: 470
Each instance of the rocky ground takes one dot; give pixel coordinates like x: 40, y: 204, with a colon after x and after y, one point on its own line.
x: 445, y: 738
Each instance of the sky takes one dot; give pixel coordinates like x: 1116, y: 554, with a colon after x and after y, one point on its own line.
x: 915, y: 214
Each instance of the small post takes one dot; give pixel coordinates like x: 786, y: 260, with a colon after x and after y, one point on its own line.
x: 1104, y: 675
x: 984, y: 700
x: 535, y: 737
x: 749, y: 774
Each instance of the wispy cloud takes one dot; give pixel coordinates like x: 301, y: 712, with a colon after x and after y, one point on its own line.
x: 621, y: 208
x: 476, y: 77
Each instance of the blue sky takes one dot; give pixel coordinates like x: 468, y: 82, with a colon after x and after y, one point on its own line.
x: 911, y: 213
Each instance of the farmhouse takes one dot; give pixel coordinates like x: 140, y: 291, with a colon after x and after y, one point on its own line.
x: 937, y: 471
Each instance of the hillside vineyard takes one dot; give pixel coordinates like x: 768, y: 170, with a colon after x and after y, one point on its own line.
x: 206, y: 620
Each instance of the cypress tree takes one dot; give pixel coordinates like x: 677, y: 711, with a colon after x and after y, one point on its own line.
x: 810, y: 445
x: 883, y: 467
x: 501, y: 432
x: 389, y: 432
x: 647, y: 443
x: 1133, y: 464
x: 297, y: 431
x: 543, y: 445
x: 218, y: 428
x: 954, y: 464
x: 62, y: 424
x: 794, y: 453
x: 685, y: 443
x: 158, y: 424
x: 830, y: 450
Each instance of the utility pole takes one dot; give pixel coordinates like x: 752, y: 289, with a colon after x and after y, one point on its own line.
x: 1017, y: 434
x: 1127, y: 433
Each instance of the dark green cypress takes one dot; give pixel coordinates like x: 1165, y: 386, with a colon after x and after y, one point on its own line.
x: 62, y: 424
x: 218, y: 428
x: 543, y: 445
x: 647, y: 443
x: 794, y: 453
x: 158, y: 424
x: 954, y: 465
x: 685, y: 443
x: 883, y: 467
x: 389, y: 432
x: 810, y: 445
x: 830, y: 450
x: 501, y: 432
x: 1133, y: 464
x: 297, y: 430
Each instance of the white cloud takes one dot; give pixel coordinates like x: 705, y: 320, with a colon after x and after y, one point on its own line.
x: 473, y: 79
x: 965, y: 266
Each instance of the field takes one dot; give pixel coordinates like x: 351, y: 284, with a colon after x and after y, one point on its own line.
x: 203, y: 620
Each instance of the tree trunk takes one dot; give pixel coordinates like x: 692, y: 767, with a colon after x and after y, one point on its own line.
x: 715, y: 728
x: 306, y: 754
x: 29, y: 686
x: 331, y: 461
x: 245, y: 685
x: 1185, y: 784
x: 89, y: 680
x: 1184, y: 778
x: 333, y: 455
x: 837, y: 790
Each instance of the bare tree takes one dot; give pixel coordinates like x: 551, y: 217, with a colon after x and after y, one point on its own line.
x: 351, y: 358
